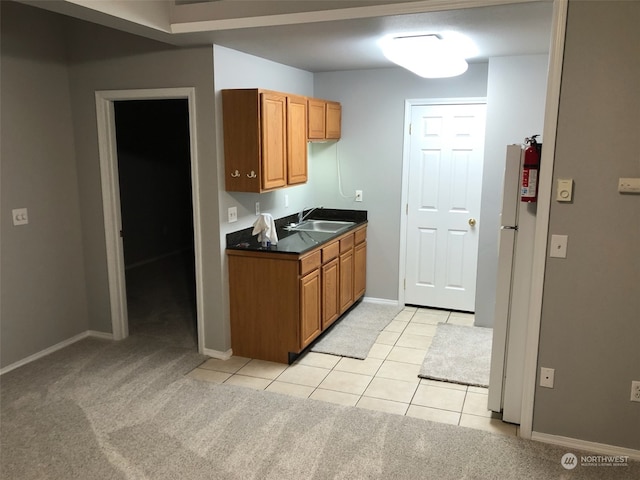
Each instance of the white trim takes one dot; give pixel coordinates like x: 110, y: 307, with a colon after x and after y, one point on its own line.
x: 380, y: 301
x: 55, y: 348
x: 217, y: 354
x: 101, y: 335
x: 556, y: 55
x: 406, y: 150
x: 111, y: 211
x: 111, y: 200
x: 574, y: 443
x: 424, y: 6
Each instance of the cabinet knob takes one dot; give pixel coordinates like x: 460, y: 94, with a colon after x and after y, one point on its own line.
x: 235, y: 174
x: 252, y: 174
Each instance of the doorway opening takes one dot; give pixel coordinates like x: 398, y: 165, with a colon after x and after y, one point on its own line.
x: 154, y: 175
x: 187, y: 257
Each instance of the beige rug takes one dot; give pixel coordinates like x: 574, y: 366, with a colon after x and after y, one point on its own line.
x: 459, y: 354
x: 354, y: 335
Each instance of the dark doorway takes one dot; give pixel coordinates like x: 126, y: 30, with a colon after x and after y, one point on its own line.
x: 154, y: 168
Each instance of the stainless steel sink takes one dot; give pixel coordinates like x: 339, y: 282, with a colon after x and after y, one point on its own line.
x: 324, y: 226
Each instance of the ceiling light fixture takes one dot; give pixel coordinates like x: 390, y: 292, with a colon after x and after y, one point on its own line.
x: 426, y: 55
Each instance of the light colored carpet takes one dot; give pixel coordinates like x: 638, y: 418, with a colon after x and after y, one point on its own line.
x: 459, y: 354
x: 161, y: 300
x: 354, y: 335
x: 105, y: 410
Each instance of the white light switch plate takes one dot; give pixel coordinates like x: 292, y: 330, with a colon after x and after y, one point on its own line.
x: 558, y: 247
x: 629, y: 185
x: 20, y: 216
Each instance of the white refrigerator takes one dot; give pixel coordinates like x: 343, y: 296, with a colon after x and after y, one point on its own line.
x: 515, y: 260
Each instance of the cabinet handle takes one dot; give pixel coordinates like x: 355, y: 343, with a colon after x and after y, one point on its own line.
x: 235, y: 174
x: 252, y: 174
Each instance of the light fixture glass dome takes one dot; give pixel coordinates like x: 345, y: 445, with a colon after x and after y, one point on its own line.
x: 428, y: 56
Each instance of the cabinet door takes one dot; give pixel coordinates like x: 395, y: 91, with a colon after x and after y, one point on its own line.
x: 359, y: 269
x: 241, y: 125
x: 309, y: 307
x: 296, y: 140
x: 330, y: 292
x: 316, y: 116
x: 274, y: 140
x: 333, y: 123
x: 346, y: 280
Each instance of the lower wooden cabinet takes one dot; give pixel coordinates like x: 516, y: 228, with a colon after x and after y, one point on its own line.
x: 359, y: 269
x: 310, y: 294
x: 346, y: 280
x: 330, y: 292
x: 279, y: 303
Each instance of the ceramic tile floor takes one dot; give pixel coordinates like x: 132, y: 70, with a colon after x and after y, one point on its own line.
x: 386, y: 380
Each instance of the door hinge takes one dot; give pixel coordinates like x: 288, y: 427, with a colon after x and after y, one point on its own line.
x: 410, y: 125
x: 406, y: 209
x: 121, y: 234
x: 404, y: 286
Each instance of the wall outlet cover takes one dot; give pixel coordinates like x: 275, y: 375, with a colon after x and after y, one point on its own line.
x: 558, y: 246
x: 233, y: 214
x: 635, y: 391
x: 546, y: 377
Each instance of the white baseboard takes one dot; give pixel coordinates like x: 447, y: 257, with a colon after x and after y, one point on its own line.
x: 381, y: 301
x: 217, y: 354
x: 102, y: 335
x: 56, y: 347
x: 595, y: 447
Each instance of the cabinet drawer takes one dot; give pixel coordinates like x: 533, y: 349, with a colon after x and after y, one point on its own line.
x: 310, y: 262
x: 360, y: 235
x: 330, y: 251
x: 346, y: 243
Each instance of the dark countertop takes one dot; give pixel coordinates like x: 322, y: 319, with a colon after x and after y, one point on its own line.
x: 292, y: 241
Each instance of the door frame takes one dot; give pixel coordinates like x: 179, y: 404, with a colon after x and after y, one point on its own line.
x: 406, y: 151
x: 551, y: 112
x: 111, y: 200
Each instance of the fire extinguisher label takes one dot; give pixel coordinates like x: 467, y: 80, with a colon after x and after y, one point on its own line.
x: 529, y: 183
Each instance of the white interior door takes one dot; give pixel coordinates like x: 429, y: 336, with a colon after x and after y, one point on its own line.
x: 445, y: 184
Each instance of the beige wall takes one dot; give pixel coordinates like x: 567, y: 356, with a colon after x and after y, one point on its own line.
x: 104, y: 59
x: 43, y: 297
x: 50, y: 163
x: 591, y: 306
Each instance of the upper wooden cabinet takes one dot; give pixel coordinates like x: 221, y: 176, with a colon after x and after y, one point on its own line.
x: 296, y: 140
x: 325, y: 119
x: 265, y: 144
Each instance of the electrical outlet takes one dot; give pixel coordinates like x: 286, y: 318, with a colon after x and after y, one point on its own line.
x: 358, y: 195
x: 233, y: 214
x: 257, y: 208
x: 635, y: 391
x: 546, y: 377
x: 286, y: 201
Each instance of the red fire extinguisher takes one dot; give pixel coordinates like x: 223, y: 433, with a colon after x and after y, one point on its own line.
x: 529, y: 181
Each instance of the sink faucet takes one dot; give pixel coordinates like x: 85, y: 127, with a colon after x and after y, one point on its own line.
x: 302, y: 215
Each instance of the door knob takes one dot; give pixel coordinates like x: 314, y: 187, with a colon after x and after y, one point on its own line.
x: 472, y: 222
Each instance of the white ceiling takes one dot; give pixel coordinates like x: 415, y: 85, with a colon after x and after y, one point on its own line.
x: 344, y: 39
